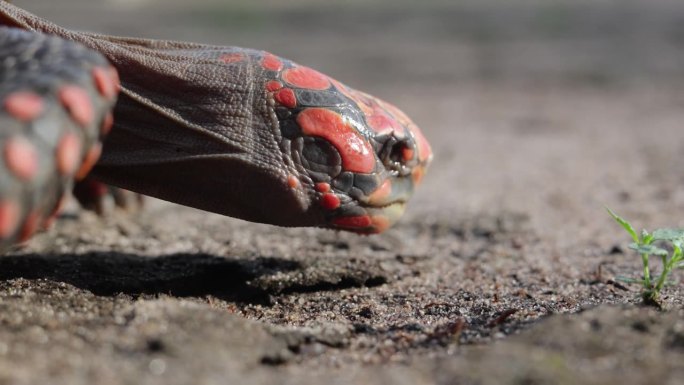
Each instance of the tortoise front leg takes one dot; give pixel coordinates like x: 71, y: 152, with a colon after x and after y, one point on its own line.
x: 55, y: 107
x: 91, y: 194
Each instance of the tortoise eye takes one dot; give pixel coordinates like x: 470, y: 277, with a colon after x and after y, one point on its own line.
x: 320, y: 157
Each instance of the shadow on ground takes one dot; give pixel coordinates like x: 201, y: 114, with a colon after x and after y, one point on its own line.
x: 179, y: 275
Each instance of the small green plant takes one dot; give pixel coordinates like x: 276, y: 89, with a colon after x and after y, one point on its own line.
x: 644, y: 244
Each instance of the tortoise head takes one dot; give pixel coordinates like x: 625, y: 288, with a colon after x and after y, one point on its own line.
x: 353, y: 157
x: 277, y: 143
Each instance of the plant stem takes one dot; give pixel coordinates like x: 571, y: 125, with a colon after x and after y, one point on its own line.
x: 647, y: 273
x: 661, y: 280
x: 667, y: 269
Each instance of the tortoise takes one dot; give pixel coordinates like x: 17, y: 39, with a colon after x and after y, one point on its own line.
x: 235, y: 131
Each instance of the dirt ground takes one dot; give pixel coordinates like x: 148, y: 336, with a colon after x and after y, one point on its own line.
x: 505, y: 268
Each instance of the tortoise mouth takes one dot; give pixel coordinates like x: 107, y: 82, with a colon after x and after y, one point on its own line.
x: 386, y: 205
x: 375, y: 219
x: 376, y: 211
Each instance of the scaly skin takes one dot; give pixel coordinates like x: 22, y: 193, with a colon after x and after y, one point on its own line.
x: 54, y: 112
x: 245, y: 133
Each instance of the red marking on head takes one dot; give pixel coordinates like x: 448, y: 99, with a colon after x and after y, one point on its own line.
x: 273, y: 85
x: 9, y: 218
x: 21, y: 158
x: 322, y: 187
x: 286, y: 97
x: 233, y: 57
x: 357, y: 222
x: 382, y: 123
x: 90, y: 159
x: 379, y: 119
x: 30, y: 226
x: 24, y: 105
x: 104, y: 82
x: 77, y: 101
x: 292, y: 181
x: 380, y: 195
x: 417, y: 175
x: 271, y: 62
x: 330, y: 201
x: 68, y: 154
x: 395, y: 111
x: 424, y: 150
x: 305, y: 77
x: 107, y: 123
x: 357, y: 154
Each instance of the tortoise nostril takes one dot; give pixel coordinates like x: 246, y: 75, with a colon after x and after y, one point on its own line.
x: 401, y: 153
x: 397, y: 154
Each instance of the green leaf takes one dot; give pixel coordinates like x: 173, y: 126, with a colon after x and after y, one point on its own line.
x: 676, y: 254
x: 646, y: 238
x: 648, y: 249
x: 673, y: 235
x: 625, y: 225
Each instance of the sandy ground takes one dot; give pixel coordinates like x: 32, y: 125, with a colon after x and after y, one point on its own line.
x: 505, y: 269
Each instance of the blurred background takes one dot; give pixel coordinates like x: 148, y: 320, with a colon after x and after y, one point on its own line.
x: 531, y: 105
x: 430, y: 42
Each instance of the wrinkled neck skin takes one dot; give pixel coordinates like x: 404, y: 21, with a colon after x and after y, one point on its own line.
x: 190, y: 127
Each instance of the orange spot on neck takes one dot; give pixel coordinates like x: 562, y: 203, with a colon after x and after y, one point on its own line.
x: 273, y: 85
x: 271, y: 62
x: 286, y: 97
x: 292, y: 181
x: 322, y: 187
